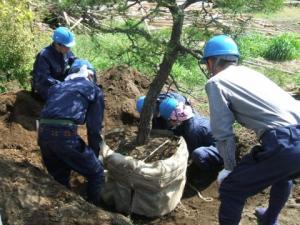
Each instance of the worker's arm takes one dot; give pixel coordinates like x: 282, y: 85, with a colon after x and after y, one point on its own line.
x: 94, y: 120
x: 222, y: 119
x: 42, y: 72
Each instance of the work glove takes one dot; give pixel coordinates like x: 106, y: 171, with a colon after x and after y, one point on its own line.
x: 222, y: 175
x: 83, y: 72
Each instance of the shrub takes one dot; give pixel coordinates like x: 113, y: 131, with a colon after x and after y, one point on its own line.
x: 283, y: 47
x: 16, y: 52
x: 252, y: 45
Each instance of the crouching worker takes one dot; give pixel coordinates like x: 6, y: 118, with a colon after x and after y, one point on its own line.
x: 237, y: 93
x: 77, y: 100
x: 159, y: 122
x: 196, y: 131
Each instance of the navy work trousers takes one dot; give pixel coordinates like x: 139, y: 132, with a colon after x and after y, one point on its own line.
x: 63, y: 150
x: 207, y: 159
x: 275, y: 165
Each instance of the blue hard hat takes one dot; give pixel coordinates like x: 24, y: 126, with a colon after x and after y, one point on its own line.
x: 64, y: 36
x: 220, y: 45
x: 140, y: 103
x: 166, y: 107
x: 78, y: 63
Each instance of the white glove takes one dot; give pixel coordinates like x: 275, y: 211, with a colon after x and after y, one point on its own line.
x: 222, y: 175
x: 84, y: 71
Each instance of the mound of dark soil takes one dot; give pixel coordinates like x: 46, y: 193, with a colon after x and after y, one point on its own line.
x: 122, y: 86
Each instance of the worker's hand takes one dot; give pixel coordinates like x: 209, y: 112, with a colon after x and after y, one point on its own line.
x: 84, y: 71
x: 222, y: 175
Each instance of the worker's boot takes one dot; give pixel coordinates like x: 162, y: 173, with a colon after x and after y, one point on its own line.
x: 263, y: 218
x: 200, y: 179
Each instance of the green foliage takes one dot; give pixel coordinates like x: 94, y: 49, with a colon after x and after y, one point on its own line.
x: 250, y: 5
x: 186, y: 72
x: 283, y: 47
x: 271, y: 6
x: 16, y: 40
x: 281, y: 78
x: 72, y: 5
x: 65, y: 4
x: 252, y: 45
x: 278, y: 48
x: 106, y: 50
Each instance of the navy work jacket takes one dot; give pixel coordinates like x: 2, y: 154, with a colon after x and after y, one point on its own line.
x: 196, y: 132
x: 80, y: 101
x: 50, y: 67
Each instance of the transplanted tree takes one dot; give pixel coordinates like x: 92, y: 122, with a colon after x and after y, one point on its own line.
x: 214, y: 16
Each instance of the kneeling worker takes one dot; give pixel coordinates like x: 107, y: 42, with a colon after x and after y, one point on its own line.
x: 158, y: 122
x: 196, y: 131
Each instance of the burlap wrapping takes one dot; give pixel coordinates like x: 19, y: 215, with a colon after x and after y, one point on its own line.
x: 149, y: 189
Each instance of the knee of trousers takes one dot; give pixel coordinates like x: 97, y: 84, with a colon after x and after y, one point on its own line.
x: 202, y: 159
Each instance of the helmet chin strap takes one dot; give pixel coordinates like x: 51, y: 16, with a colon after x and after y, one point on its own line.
x: 206, y: 73
x: 214, y: 67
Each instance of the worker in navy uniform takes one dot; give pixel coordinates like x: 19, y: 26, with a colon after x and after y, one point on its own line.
x: 52, y: 63
x: 76, y: 100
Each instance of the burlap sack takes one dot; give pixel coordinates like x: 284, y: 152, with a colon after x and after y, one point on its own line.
x: 149, y: 189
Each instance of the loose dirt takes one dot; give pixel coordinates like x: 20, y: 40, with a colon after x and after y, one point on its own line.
x: 28, y: 195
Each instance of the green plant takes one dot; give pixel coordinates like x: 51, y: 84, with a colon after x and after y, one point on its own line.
x: 16, y: 40
x: 187, y: 73
x: 281, y: 78
x: 106, y: 50
x: 252, y: 45
x: 283, y: 47
x: 250, y: 5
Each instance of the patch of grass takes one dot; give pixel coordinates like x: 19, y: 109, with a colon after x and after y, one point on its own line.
x: 107, y: 50
x: 187, y: 72
x: 284, y: 80
x: 278, y: 48
x: 283, y: 47
x: 287, y: 13
x: 252, y: 45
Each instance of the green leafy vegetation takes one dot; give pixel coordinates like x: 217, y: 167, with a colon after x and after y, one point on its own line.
x: 278, y: 48
x: 281, y: 15
x: 283, y: 47
x: 16, y: 41
x: 282, y: 79
x: 251, y: 5
x: 253, y: 45
x: 106, y: 50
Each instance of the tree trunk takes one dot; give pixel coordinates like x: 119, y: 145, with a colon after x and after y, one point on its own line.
x: 165, y: 68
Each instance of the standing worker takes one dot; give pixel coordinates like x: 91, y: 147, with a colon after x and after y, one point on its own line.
x: 52, y: 63
x: 77, y: 100
x: 238, y: 93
